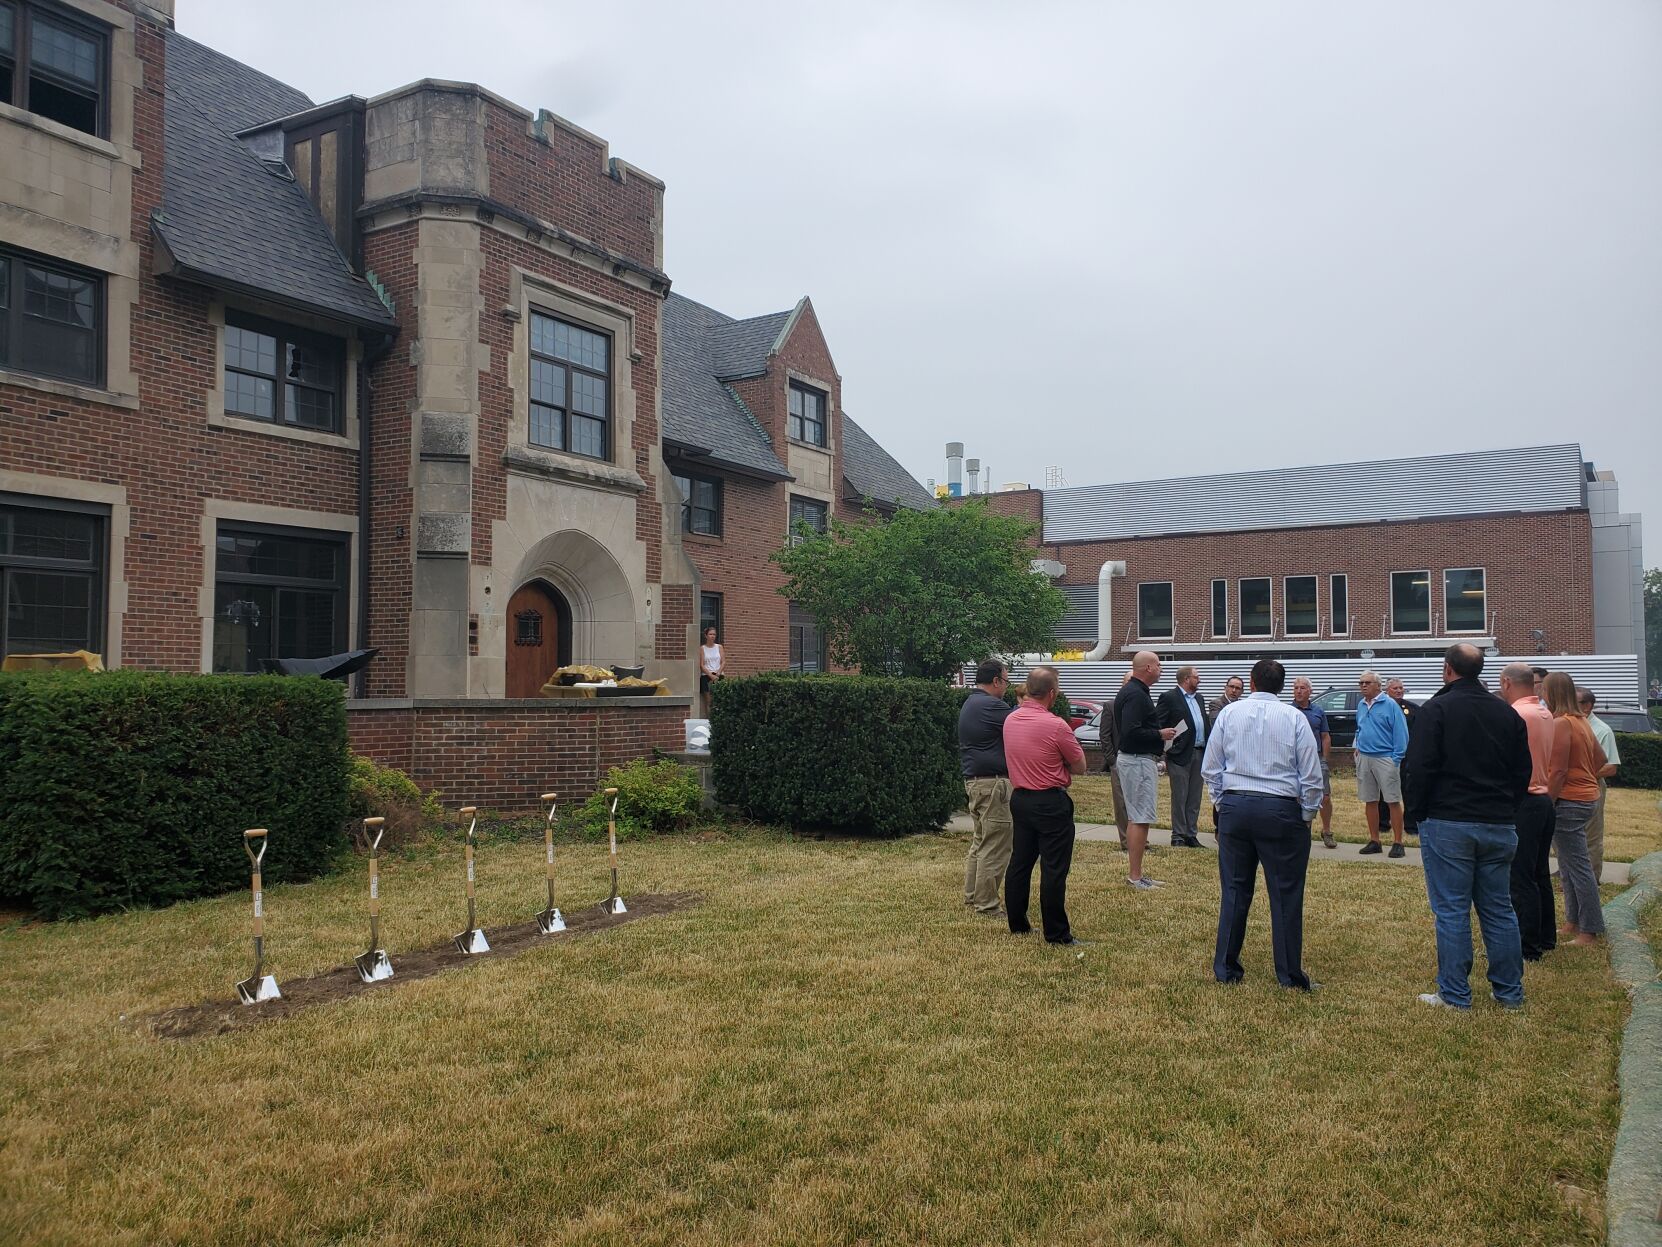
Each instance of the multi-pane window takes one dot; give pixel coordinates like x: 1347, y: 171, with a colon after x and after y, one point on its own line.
x: 1464, y: 599
x: 807, y: 415
x: 1410, y: 601
x: 1220, y: 608
x: 1338, y: 604
x: 51, y: 578
x: 51, y: 318
x: 281, y: 374
x: 709, y: 614
x: 570, y: 387
x: 1154, y: 609
x: 1257, y: 614
x: 700, y: 504
x: 809, y: 511
x: 1298, y: 607
x: 278, y: 593
x: 53, y: 64
x: 807, y: 648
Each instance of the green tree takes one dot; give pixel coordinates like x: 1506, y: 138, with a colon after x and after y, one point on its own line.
x: 1653, y: 621
x: 925, y: 592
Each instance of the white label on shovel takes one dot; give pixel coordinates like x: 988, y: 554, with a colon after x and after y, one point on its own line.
x: 259, y: 909
x: 551, y: 855
x: 470, y: 872
x: 374, y: 888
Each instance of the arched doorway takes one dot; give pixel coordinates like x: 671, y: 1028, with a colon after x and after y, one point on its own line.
x: 539, y: 637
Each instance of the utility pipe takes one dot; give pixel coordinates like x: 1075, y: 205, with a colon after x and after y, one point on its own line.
x: 1105, y: 609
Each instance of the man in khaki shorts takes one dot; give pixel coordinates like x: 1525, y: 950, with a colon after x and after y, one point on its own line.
x: 987, y: 785
x: 1381, y: 740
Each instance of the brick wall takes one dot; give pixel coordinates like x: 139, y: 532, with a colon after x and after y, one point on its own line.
x: 501, y: 754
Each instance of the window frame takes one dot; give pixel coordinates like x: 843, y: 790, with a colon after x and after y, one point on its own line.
x: 792, y: 519
x: 342, y: 587
x: 22, y: 58
x: 1218, y: 635
x: 1171, y: 611
x: 796, y: 639
x: 1483, y: 614
x: 1338, y: 622
x: 96, y: 569
x: 533, y: 356
x: 1315, y: 629
x: 11, y: 318
x: 1391, y: 602
x: 708, y: 620
x: 286, y: 336
x: 688, y: 501
x: 1240, y: 602
x: 801, y: 419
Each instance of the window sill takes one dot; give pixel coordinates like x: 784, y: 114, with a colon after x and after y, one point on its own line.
x: 550, y: 465
x: 704, y: 539
x: 69, y: 134
x: 797, y: 441
x: 69, y: 389
x: 243, y: 425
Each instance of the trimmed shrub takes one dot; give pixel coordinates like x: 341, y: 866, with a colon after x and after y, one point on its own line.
x: 1060, y: 706
x: 1641, y: 761
x: 128, y: 788
x: 855, y: 753
x: 387, y: 791
x: 652, y: 797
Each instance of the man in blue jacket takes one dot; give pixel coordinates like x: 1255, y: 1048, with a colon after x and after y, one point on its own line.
x: 1381, y: 740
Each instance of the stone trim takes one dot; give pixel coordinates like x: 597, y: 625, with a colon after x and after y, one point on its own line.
x: 570, y: 470
x: 579, y: 704
x: 68, y: 389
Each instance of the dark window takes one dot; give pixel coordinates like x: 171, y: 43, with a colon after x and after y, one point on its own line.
x: 1154, y: 609
x: 1410, y: 601
x: 528, y: 628
x: 807, y: 422
x: 1257, y: 617
x: 51, y: 577
x: 1338, y: 604
x: 807, y: 645
x: 700, y: 504
x: 1220, y: 608
x: 278, y: 593
x: 281, y: 374
x: 51, y: 318
x: 709, y: 614
x: 1464, y: 599
x: 809, y: 511
x: 53, y: 64
x: 1298, y: 606
x: 570, y: 387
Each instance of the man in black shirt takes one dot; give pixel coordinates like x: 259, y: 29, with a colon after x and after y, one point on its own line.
x: 1142, y: 740
x: 987, y: 784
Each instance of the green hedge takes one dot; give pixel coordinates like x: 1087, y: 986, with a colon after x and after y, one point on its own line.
x: 853, y: 753
x: 1641, y: 761
x: 128, y: 788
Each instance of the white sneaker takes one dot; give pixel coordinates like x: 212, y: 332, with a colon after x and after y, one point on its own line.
x: 1436, y: 1001
x: 1145, y: 884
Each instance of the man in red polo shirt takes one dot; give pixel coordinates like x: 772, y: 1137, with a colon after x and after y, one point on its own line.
x: 1043, y: 757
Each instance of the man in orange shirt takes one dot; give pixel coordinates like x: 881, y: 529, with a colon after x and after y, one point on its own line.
x: 1042, y: 757
x: 1531, y: 868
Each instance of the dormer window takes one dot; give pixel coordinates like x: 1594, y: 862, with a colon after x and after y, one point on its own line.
x: 807, y: 422
x: 53, y: 64
x: 281, y: 374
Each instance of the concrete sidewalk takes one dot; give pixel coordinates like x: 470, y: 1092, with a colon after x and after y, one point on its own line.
x: 1106, y: 833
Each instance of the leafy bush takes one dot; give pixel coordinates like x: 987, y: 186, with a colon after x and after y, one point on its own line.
x: 128, y: 788
x: 651, y: 797
x: 388, y: 792
x: 1060, y: 706
x: 858, y: 753
x: 1641, y: 761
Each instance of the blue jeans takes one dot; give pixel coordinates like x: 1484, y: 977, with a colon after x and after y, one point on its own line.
x: 1466, y: 865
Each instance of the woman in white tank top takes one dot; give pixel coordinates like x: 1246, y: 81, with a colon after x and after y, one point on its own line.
x: 709, y: 665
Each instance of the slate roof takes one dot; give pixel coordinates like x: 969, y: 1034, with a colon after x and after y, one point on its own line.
x: 740, y: 348
x: 874, y: 473
x: 699, y: 411
x: 227, y: 217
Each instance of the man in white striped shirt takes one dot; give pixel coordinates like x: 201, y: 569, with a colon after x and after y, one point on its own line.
x: 1264, y: 771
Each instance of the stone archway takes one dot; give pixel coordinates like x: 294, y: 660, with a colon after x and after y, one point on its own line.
x: 602, y: 608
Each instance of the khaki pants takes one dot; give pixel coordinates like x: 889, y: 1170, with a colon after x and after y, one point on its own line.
x: 1120, y: 819
x: 989, y: 851
x: 1595, y: 836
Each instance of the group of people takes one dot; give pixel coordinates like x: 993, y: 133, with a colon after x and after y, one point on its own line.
x: 1492, y: 783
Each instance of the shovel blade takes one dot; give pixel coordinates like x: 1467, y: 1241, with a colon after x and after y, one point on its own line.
x: 253, y: 991
x: 472, y: 942
x: 614, y: 906
x: 374, y: 965
x: 551, y: 922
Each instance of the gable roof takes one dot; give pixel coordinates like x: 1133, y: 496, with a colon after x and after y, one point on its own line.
x: 229, y: 219
x: 874, y: 473
x: 700, y: 413
x: 740, y: 348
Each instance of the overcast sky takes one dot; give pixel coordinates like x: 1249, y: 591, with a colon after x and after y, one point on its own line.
x: 1132, y: 239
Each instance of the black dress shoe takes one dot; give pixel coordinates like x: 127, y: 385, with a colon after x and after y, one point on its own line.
x: 1021, y: 930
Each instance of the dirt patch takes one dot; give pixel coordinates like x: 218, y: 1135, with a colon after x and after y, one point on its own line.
x: 216, y: 1017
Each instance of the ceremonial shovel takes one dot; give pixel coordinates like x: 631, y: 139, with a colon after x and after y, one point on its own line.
x: 471, y: 940
x: 373, y: 966
x: 613, y: 904
x: 257, y: 987
x: 549, y: 920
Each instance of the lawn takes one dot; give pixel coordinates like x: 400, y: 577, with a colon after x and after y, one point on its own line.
x: 829, y: 1049
x: 1632, y: 821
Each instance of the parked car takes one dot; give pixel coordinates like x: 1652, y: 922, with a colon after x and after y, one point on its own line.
x: 1090, y: 732
x: 1084, y: 710
x: 1340, y: 704
x: 1628, y: 719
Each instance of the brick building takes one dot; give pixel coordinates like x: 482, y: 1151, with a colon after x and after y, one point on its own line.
x: 281, y: 379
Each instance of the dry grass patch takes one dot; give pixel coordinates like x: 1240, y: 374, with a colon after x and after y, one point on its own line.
x: 829, y: 1050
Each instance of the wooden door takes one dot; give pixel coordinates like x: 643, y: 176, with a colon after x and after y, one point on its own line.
x: 533, y: 639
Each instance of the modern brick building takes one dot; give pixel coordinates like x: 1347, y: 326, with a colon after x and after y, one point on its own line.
x: 282, y: 379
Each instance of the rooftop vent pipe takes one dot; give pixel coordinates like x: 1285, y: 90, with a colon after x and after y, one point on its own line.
x: 972, y: 473
x: 1105, y: 609
x: 955, y: 469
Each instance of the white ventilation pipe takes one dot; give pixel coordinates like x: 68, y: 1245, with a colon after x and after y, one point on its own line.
x: 972, y: 473
x: 1105, y: 609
